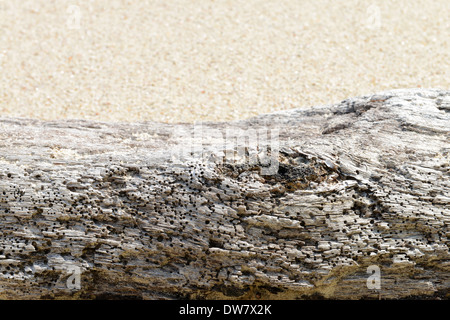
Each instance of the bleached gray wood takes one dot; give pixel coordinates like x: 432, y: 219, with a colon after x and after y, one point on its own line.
x: 365, y: 182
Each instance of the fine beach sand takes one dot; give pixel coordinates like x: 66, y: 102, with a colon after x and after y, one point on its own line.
x: 184, y: 61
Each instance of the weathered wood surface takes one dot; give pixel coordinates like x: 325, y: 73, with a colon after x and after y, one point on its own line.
x: 364, y: 182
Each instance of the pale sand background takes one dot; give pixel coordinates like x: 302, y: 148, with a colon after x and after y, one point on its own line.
x: 212, y: 60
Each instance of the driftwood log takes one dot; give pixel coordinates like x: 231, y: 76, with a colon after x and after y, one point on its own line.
x: 296, y: 204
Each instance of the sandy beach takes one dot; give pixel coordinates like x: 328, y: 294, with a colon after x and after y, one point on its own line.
x: 186, y: 60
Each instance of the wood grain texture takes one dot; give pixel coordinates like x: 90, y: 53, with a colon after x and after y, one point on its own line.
x: 151, y: 210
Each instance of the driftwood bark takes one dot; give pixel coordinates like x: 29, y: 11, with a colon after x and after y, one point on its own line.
x: 150, y: 210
